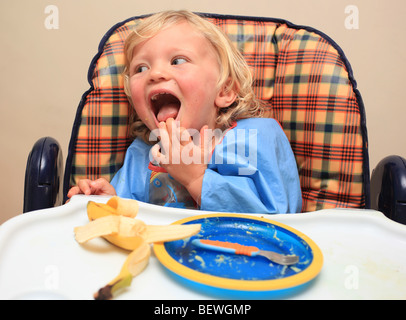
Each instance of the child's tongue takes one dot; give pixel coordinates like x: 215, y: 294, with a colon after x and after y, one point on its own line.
x: 167, y: 111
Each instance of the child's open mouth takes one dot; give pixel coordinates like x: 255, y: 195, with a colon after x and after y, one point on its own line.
x: 165, y: 106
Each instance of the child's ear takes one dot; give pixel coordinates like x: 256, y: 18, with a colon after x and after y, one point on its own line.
x: 226, y: 96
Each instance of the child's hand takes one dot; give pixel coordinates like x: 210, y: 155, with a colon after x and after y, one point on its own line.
x: 99, y: 187
x: 183, y: 158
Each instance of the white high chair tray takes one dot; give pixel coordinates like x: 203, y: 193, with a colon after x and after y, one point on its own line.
x: 364, y: 255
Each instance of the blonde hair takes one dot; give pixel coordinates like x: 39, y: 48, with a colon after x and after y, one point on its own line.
x: 235, y: 73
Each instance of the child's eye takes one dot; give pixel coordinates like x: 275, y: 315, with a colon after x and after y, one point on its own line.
x: 140, y: 69
x: 178, y: 61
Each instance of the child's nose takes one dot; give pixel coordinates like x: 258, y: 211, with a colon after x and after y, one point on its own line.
x: 158, y: 73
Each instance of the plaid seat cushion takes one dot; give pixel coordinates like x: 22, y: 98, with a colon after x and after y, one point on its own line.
x: 300, y: 73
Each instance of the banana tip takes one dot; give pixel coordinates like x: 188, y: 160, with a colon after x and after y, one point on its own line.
x: 104, y: 293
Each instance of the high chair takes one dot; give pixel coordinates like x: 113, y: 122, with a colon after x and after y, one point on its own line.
x: 307, y: 84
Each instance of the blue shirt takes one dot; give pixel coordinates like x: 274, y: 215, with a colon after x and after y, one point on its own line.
x: 252, y: 170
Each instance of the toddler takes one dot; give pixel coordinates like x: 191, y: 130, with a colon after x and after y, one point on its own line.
x: 200, y: 141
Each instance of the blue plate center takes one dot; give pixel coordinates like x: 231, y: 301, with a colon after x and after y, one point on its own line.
x: 261, y: 234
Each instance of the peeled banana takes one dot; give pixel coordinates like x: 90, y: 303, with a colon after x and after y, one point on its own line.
x: 115, y: 221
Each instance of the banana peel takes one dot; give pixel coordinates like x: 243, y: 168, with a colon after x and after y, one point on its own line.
x: 115, y: 221
x: 124, y: 207
x: 107, y: 225
x: 115, y: 205
x: 122, y: 230
x: 135, y: 263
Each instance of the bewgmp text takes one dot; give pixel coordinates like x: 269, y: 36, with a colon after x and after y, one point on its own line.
x: 203, y: 309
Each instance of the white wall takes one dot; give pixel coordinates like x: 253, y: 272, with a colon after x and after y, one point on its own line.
x: 43, y: 71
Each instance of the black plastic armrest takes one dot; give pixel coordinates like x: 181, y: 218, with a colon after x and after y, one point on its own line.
x: 388, y: 188
x: 43, y: 175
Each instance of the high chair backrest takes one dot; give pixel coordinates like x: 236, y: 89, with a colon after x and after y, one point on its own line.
x: 301, y: 74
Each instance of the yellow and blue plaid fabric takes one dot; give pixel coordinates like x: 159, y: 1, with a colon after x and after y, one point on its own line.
x: 301, y: 74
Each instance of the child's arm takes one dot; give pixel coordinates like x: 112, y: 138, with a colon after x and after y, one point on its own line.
x: 97, y: 187
x: 253, y: 170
